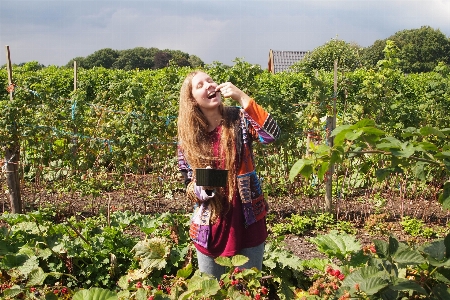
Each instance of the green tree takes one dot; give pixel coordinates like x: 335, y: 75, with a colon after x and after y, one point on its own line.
x: 323, y: 57
x: 136, y: 58
x: 102, y: 58
x: 195, y: 61
x: 421, y: 49
x: 81, y: 62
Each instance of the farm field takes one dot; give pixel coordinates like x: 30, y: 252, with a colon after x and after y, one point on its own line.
x: 356, y: 211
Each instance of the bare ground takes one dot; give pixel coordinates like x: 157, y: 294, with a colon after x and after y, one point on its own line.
x: 357, y: 209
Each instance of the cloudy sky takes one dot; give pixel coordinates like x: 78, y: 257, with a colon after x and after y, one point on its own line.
x: 54, y: 32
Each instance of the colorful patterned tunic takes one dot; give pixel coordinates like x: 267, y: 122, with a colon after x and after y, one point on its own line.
x: 254, y: 123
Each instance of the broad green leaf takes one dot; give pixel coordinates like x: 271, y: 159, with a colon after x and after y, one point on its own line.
x: 426, y: 146
x: 239, y: 260
x: 36, y: 277
x: 369, y: 280
x: 353, y: 135
x: 406, y: 151
x: 408, y: 285
x: 444, y: 197
x: 363, y: 123
x: 185, y: 272
x: 298, y: 167
x: 324, y: 167
x: 152, y: 253
x: 441, y: 291
x: 224, y: 261
x: 382, y: 174
x: 141, y: 294
x: 382, y: 248
x: 409, y: 257
x: 431, y: 131
x: 435, y: 249
x: 307, y: 171
x: 12, y: 291
x: 95, y: 294
x: 336, y: 155
x: 339, y: 129
x: 373, y: 131
x: 339, y: 137
x: 335, y: 244
x: 419, y: 170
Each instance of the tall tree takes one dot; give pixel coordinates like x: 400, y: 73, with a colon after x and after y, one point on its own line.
x: 420, y: 50
x: 323, y: 57
x: 102, y: 58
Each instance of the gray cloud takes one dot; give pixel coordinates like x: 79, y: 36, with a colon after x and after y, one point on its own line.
x: 53, y: 32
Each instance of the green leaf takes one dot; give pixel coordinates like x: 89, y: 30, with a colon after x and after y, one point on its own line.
x: 353, y: 135
x: 407, y: 151
x: 419, y: 170
x: 324, y: 167
x: 152, y: 253
x: 435, y: 249
x: 95, y: 294
x: 373, y: 131
x: 382, y: 248
x: 336, y: 244
x: 382, y: 174
x: 298, y: 167
x: 239, y: 260
x: 36, y: 277
x: 224, y: 261
x: 409, y: 257
x: 369, y: 280
x: 431, y: 131
x: 441, y: 291
x: 426, y: 146
x: 340, y: 129
x: 363, y: 123
x: 185, y: 272
x: 444, y: 197
x: 408, y: 285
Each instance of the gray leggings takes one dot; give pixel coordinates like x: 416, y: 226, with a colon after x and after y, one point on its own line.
x: 207, y: 264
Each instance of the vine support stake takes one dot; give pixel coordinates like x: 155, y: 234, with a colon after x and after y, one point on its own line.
x: 331, y: 125
x: 12, y: 152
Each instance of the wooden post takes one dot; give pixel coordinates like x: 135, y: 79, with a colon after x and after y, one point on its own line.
x: 75, y: 129
x: 331, y: 125
x: 12, y: 153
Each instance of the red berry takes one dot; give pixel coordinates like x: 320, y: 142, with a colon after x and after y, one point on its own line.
x: 64, y: 290
x: 32, y: 289
x: 56, y: 292
x: 159, y: 287
x: 139, y: 285
x: 257, y: 297
x: 341, y: 277
x: 151, y: 297
x: 264, y: 290
x: 236, y: 270
x: 168, y: 290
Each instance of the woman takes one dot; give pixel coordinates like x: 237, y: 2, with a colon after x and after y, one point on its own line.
x: 228, y: 220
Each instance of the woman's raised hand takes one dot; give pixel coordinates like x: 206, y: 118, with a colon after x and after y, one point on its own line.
x: 229, y: 90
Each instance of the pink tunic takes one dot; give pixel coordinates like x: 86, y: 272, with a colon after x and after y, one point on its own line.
x: 229, y: 235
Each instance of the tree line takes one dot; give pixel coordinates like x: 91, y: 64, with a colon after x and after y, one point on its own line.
x: 416, y: 50
x: 137, y: 58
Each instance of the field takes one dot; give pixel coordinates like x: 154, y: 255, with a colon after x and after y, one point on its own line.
x: 105, y: 213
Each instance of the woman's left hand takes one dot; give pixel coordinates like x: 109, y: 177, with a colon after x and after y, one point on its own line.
x: 231, y: 91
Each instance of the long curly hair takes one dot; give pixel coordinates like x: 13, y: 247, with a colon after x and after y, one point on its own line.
x: 195, y: 141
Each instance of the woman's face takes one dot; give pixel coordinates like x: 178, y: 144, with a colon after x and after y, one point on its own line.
x: 204, y: 91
